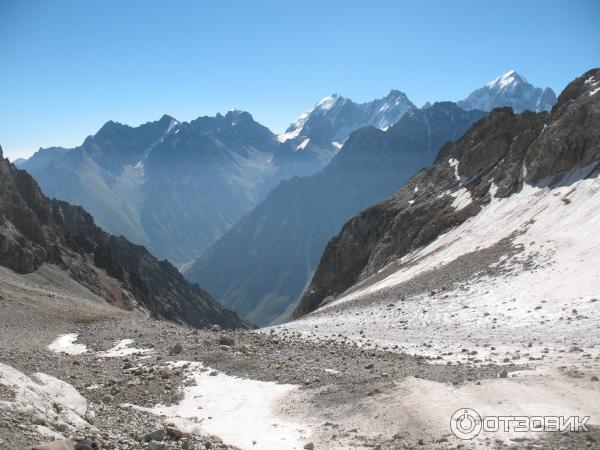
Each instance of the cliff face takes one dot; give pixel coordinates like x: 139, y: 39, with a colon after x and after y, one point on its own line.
x: 35, y: 230
x: 495, y: 157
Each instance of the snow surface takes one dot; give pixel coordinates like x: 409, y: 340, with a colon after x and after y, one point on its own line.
x: 554, y: 303
x: 42, y: 395
x: 380, y: 113
x: 462, y: 199
x: 303, y: 145
x: 505, y: 80
x: 240, y: 411
x: 123, y: 348
x: 66, y: 344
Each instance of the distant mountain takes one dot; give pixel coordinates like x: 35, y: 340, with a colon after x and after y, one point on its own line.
x: 260, y: 267
x: 324, y: 128
x: 172, y: 186
x: 40, y: 159
x: 510, y: 89
x: 520, y: 160
x: 35, y: 230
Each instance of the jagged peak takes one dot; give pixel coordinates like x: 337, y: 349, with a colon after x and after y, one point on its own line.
x: 509, y: 78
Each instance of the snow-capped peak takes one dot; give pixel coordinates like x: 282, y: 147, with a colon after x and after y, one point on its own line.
x: 504, y: 81
x: 344, y: 116
x: 328, y: 102
x: 323, y: 107
x: 510, y: 89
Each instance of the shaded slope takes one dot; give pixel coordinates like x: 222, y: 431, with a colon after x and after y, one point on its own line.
x: 260, y: 267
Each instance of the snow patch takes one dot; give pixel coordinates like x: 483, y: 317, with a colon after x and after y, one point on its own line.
x: 454, y: 163
x: 462, y: 199
x: 240, y: 411
x: 66, y: 344
x: 541, y: 214
x: 303, y: 145
x: 43, y: 395
x: 123, y: 348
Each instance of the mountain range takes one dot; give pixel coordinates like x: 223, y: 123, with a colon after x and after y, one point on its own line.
x: 261, y: 266
x: 178, y: 187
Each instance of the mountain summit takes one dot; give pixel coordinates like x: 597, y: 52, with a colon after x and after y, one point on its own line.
x: 510, y: 89
x: 324, y: 128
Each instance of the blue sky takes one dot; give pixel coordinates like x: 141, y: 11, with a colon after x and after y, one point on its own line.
x: 69, y: 66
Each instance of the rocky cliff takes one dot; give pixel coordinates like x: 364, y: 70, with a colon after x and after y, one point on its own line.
x: 35, y: 230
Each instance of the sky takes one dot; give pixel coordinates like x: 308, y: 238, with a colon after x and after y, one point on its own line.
x: 68, y: 66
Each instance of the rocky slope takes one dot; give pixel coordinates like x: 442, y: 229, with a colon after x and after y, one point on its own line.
x: 260, y: 267
x: 495, y: 159
x: 510, y: 89
x: 35, y: 231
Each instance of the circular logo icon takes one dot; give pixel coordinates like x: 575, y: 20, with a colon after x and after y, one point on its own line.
x: 465, y: 423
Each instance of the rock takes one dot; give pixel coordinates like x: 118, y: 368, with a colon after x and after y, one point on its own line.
x: 369, y: 366
x: 165, y: 373
x: 66, y: 444
x: 157, y: 435
x: 38, y: 419
x: 244, y: 349
x: 226, y: 340
x: 157, y: 446
x: 177, y: 434
x: 214, y: 373
x: 594, y: 378
x: 176, y: 349
x: 309, y: 446
x: 85, y: 445
x: 504, y: 374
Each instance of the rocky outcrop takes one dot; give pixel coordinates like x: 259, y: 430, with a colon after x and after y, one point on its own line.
x: 496, y: 156
x: 35, y: 230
